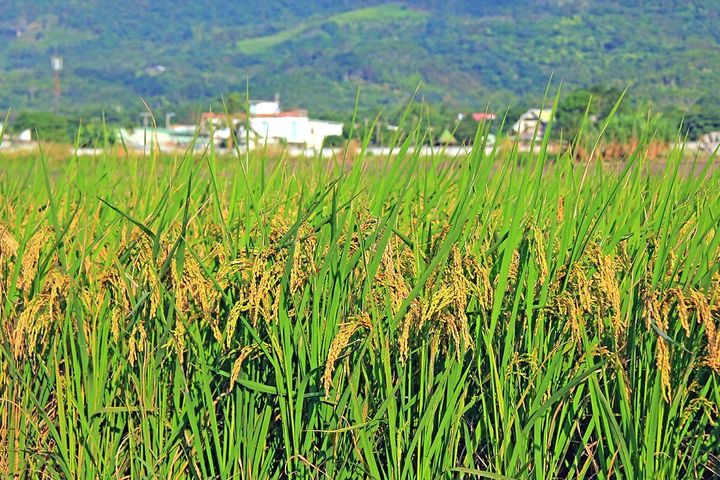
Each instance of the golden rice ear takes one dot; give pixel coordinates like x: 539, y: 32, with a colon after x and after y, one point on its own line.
x: 682, y: 308
x: 697, y: 404
x: 715, y: 289
x: 178, y: 338
x: 560, y: 210
x: 663, y: 365
x: 583, y: 288
x: 8, y: 248
x: 390, y: 281
x: 40, y: 315
x: 703, y: 313
x: 460, y: 303
x: 30, y: 257
x: 514, y: 267
x: 8, y: 245
x: 336, y: 347
x: 116, y: 318
x: 413, y: 318
x: 670, y: 265
x: 540, y: 254
x: 245, y: 352
x: 233, y: 317
x: 338, y: 344
x: 482, y: 286
x: 608, y: 290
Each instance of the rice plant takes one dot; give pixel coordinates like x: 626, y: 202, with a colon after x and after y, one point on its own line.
x: 502, y: 315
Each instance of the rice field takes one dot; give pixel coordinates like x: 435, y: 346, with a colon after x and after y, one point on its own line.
x: 501, y: 315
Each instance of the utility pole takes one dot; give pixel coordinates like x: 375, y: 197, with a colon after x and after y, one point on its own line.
x: 168, y: 117
x: 145, y: 116
x: 56, y: 63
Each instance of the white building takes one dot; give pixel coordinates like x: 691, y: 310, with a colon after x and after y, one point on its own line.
x: 23, y: 137
x: 710, y: 142
x: 269, y: 125
x: 177, y: 137
x: 532, y: 124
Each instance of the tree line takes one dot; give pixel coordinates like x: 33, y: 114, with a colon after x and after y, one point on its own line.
x: 584, y: 111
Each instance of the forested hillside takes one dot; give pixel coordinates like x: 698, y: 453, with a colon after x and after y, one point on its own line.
x: 317, y: 53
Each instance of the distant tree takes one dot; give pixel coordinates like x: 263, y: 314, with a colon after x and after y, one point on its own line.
x: 571, y: 111
x: 235, y: 102
x: 592, y: 105
x: 48, y: 126
x: 465, y: 130
x: 703, y: 117
x: 431, y: 120
x: 94, y: 133
x: 334, y: 141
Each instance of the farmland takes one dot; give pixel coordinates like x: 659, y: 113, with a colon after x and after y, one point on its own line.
x: 499, y: 315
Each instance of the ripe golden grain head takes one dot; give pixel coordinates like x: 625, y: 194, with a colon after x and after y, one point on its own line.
x: 178, y: 338
x: 8, y: 244
x: 245, y: 352
x: 607, y: 290
x: 560, y: 211
x: 540, y: 254
x: 232, y: 320
x: 116, y: 320
x: 703, y: 313
x: 710, y: 409
x: 263, y: 290
x: 338, y: 344
x: 657, y: 312
x: 682, y: 308
x: 303, y: 261
x: 479, y: 282
x: 391, y: 281
x: 567, y: 308
x: 40, y: 315
x: 412, y: 318
x: 336, y: 347
x: 650, y: 308
x: 663, y: 364
x: 582, y: 287
x: 514, y: 267
x: 30, y: 257
x: 715, y: 288
x: 459, y: 284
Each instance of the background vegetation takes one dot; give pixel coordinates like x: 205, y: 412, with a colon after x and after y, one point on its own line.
x: 467, y: 54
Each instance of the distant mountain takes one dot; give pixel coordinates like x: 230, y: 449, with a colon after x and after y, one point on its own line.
x: 317, y: 53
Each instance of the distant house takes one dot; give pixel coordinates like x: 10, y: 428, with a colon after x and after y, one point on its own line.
x: 710, y: 142
x: 483, y: 116
x: 446, y: 138
x: 532, y: 124
x: 23, y: 137
x: 175, y: 137
x: 22, y: 141
x: 269, y: 125
x: 154, y: 70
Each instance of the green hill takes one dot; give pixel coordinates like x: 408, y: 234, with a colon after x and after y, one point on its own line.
x: 317, y: 54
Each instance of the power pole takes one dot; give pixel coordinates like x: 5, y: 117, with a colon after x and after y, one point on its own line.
x: 145, y: 116
x: 168, y: 117
x: 57, y: 65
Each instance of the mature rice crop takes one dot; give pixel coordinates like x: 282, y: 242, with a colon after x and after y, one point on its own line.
x: 498, y: 316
